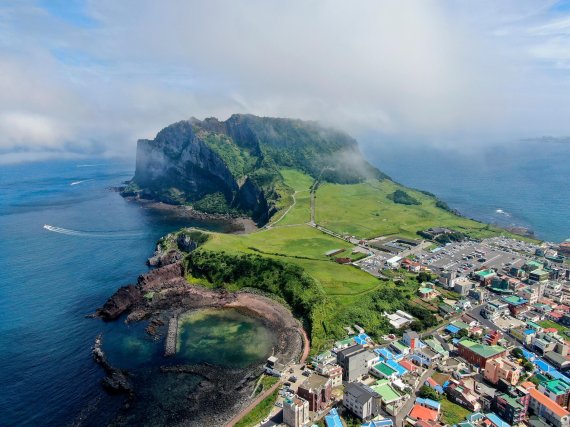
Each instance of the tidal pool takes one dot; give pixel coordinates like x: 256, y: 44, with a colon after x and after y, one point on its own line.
x: 223, y: 337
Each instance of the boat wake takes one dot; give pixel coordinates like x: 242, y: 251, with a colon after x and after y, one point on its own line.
x: 502, y: 212
x: 79, y: 182
x: 95, y: 234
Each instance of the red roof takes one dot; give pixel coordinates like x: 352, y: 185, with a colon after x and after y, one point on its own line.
x: 422, y: 413
x: 408, y: 365
x: 546, y: 402
x: 550, y: 330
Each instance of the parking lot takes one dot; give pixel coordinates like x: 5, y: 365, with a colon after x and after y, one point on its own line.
x: 466, y: 257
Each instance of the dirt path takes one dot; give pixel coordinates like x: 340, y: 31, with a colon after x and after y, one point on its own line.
x: 252, y: 405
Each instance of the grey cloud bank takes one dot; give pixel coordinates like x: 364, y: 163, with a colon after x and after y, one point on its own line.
x: 457, y: 73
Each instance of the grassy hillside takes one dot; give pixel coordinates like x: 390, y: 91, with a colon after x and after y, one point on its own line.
x: 288, y: 257
x: 366, y: 210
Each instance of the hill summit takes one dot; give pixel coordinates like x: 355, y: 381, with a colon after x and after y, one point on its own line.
x: 233, y: 166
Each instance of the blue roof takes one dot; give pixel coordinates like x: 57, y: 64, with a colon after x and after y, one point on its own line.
x: 452, y: 328
x: 557, y: 375
x: 384, y: 352
x: 332, y: 419
x: 395, y: 365
x: 364, y: 336
x: 428, y: 402
x: 496, y: 420
x: 386, y: 422
x: 359, y: 340
x: 543, y: 366
x: 528, y: 354
x: 529, y: 332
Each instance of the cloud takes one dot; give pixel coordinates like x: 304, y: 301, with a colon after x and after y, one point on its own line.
x: 91, y: 77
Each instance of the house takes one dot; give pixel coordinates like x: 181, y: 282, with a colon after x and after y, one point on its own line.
x: 332, y: 419
x: 516, y: 304
x: 427, y: 292
x: 493, y: 337
x: 295, y: 411
x: 494, y: 309
x: 334, y: 372
x: 556, y: 390
x: 548, y: 409
x: 316, y: 390
x: 558, y: 360
x: 484, y: 276
x: 502, y: 369
x: 382, y: 370
x: 446, y: 310
x: 431, y: 383
x: 538, y: 275
x: 361, y: 400
x: 412, y: 340
x: 424, y: 411
x: 460, y: 394
x: 463, y: 285
x: 390, y: 398
x: 425, y: 357
x: 512, y: 409
x: 492, y: 420
x: 478, y: 354
x: 355, y: 361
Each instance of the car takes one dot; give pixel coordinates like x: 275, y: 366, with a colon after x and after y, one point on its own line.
x: 293, y: 378
x: 306, y: 373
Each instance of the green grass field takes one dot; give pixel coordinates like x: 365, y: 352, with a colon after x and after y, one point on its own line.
x: 550, y: 324
x: 452, y: 413
x: 258, y: 413
x: 364, y: 210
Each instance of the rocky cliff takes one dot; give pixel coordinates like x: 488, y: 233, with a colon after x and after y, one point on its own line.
x: 233, y: 166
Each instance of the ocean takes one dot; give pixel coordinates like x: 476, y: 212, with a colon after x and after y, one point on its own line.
x: 96, y: 242
x: 51, y: 279
x: 513, y: 184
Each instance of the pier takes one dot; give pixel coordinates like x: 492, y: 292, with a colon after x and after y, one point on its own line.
x: 170, y: 347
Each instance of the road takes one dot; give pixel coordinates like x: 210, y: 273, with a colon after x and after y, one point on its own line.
x: 475, y: 313
x: 407, y: 407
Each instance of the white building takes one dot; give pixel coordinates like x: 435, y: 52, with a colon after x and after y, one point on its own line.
x: 295, y: 412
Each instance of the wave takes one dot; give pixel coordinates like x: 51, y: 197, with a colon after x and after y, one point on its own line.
x: 118, y: 234
x: 502, y: 212
x: 79, y: 182
x: 89, y: 165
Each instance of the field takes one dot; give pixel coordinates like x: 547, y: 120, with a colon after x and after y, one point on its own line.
x: 550, y: 324
x: 452, y: 413
x: 364, y: 210
x: 258, y: 413
x: 347, y: 294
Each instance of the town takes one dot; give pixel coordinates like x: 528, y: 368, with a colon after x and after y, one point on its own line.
x: 497, y: 358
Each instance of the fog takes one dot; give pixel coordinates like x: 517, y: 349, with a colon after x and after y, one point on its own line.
x: 89, y: 78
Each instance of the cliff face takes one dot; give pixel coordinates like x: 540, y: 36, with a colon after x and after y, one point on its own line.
x: 233, y: 166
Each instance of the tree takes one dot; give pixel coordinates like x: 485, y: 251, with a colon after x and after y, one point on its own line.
x: 424, y: 277
x: 429, y: 393
x: 528, y: 366
x: 463, y: 333
x: 517, y: 352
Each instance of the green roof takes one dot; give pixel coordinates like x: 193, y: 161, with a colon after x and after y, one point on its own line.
x: 512, y: 401
x: 400, y: 346
x: 385, y: 369
x: 534, y: 264
x: 386, y: 391
x: 539, y: 272
x: 459, y: 324
x: 556, y: 386
x: 436, y: 346
x: 482, y: 350
x: 485, y: 273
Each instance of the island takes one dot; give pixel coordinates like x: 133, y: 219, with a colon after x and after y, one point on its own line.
x: 337, y: 246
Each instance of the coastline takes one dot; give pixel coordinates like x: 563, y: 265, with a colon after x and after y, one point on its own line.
x: 172, y: 296
x: 237, y: 224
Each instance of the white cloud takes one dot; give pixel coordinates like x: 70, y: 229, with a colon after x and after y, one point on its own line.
x: 430, y: 70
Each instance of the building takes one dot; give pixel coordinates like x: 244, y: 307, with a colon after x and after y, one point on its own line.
x: 502, y: 369
x: 425, y: 357
x: 332, y: 419
x: 412, y: 340
x: 514, y: 410
x: 544, y: 342
x: 390, y: 398
x: 538, y: 275
x: 334, y: 372
x: 355, y: 362
x: 548, y: 409
x: 383, y: 370
x: 478, y: 354
x: 316, y: 390
x: 295, y: 412
x: 425, y: 410
x: 556, y: 390
x: 494, y: 309
x: 361, y: 400
x: 516, y: 304
x: 426, y: 293
x: 458, y: 393
x: 484, y: 276
x: 463, y: 285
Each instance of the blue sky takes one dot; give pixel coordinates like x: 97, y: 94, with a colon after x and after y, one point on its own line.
x: 90, y: 77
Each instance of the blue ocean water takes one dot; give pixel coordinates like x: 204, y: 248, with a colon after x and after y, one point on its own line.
x: 512, y: 184
x: 50, y: 280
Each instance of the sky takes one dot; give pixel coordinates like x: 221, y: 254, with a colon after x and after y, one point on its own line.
x: 89, y: 78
